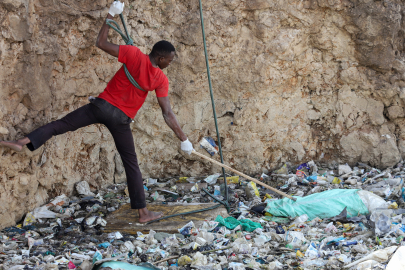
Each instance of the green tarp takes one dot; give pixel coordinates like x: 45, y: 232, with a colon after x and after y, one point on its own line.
x: 325, y: 204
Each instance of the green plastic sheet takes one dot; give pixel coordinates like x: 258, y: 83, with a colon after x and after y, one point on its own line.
x: 231, y: 223
x: 325, y: 204
x: 277, y: 219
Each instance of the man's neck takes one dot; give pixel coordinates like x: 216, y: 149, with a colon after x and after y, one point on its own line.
x: 153, y: 61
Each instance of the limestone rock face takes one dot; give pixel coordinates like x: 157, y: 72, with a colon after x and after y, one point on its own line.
x: 293, y: 81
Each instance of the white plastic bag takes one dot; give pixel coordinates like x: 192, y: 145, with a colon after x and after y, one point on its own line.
x: 382, y: 220
x: 60, y: 200
x: 212, y: 179
x: 397, y: 261
x: 199, y: 260
x: 379, y: 255
x: 43, y: 212
x: 366, y: 265
x: 296, y: 239
x: 372, y: 201
x: 83, y: 188
x: 300, y: 219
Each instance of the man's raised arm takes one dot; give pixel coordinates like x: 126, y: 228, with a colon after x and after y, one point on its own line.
x: 116, y: 8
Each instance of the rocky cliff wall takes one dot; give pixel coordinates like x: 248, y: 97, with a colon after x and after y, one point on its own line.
x: 293, y: 81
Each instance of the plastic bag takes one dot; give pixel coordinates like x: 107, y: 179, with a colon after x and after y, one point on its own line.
x: 379, y: 255
x: 43, y: 212
x: 282, y: 170
x: 199, y: 260
x: 29, y: 219
x: 296, y: 239
x: 194, y: 188
x: 274, y: 265
x: 97, y: 256
x: 360, y: 248
x: 60, y: 200
x: 311, y: 251
x: 82, y: 257
x: 188, y: 229
x: 83, y: 188
x: 184, y: 260
x: 397, y: 261
x: 261, y: 240
x: 344, y: 169
x: 242, y: 246
x: 367, y: 265
x: 209, y: 237
x: 32, y: 242
x: 300, y: 219
x: 251, y: 190
x: 382, y: 220
x: 151, y: 182
x: 212, y: 179
x: 127, y: 246
x: 237, y: 266
x: 372, y: 201
x: 231, y: 223
x: 115, y: 235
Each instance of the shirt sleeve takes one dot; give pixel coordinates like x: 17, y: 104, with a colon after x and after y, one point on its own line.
x: 127, y: 53
x: 163, y: 89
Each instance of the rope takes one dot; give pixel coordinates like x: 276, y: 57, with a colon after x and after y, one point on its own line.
x: 224, y: 203
x: 212, y: 100
x: 128, y: 41
x: 186, y: 213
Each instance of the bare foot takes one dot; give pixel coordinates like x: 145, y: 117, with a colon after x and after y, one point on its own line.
x: 145, y: 215
x: 13, y: 145
x: 16, y: 145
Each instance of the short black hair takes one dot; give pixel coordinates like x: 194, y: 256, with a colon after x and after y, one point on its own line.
x: 162, y: 48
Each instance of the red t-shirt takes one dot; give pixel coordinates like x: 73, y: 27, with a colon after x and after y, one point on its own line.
x: 121, y: 93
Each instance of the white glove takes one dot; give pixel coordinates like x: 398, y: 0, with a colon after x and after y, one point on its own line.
x: 187, y: 147
x: 116, y: 8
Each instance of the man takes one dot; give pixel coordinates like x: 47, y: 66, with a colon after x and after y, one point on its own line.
x: 117, y: 105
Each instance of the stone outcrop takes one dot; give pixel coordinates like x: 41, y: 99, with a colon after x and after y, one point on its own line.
x: 293, y: 81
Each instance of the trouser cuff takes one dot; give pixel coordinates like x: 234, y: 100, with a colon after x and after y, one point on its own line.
x: 138, y: 205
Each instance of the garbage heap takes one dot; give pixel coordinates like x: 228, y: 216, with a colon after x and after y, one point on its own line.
x: 343, y: 218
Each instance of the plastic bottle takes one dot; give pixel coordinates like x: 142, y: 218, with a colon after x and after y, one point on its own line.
x: 383, y: 224
x: 322, y: 182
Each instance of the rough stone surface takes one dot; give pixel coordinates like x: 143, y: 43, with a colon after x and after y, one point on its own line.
x: 293, y: 81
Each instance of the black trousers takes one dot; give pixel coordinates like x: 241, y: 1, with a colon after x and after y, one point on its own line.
x: 117, y: 122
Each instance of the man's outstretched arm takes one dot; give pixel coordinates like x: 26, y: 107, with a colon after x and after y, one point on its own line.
x: 170, y: 118
x: 102, y: 43
x: 171, y: 121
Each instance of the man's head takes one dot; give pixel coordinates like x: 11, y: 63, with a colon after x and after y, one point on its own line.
x: 163, y: 52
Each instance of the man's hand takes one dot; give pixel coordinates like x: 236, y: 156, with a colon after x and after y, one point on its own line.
x: 116, y: 8
x: 187, y: 146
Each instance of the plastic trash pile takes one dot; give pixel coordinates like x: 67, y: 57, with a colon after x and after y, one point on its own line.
x: 344, y: 218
